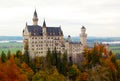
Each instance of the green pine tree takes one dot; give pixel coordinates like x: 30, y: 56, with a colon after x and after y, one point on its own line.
x: 49, y: 58
x: 8, y: 54
x: 64, y: 64
x: 3, y: 57
x: 26, y: 57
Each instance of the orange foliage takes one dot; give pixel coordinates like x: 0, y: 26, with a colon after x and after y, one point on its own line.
x: 27, y: 70
x: 112, y: 66
x: 10, y: 72
x: 26, y: 67
x: 84, y: 76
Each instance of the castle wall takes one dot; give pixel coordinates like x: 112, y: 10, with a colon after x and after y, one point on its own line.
x: 39, y: 46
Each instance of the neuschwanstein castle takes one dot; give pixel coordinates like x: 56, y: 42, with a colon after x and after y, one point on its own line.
x: 40, y: 38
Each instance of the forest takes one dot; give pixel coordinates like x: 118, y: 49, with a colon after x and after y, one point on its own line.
x: 98, y: 64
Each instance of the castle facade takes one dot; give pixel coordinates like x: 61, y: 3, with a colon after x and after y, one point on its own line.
x: 41, y: 38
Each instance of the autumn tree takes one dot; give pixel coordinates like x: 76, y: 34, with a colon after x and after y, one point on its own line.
x: 9, y: 71
x: 73, y: 72
x: 27, y: 71
x: 50, y: 74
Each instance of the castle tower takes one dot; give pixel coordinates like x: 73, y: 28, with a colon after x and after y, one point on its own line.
x: 35, y: 18
x: 83, y: 36
x: 44, y: 32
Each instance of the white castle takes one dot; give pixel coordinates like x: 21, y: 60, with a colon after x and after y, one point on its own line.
x: 40, y: 38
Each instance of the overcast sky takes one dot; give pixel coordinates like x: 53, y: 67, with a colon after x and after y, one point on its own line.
x: 100, y: 17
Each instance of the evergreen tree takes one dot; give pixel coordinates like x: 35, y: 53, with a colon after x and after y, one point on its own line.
x: 18, y: 54
x: 70, y: 61
x: 26, y: 54
x: 54, y: 57
x: 3, y: 57
x: 26, y: 57
x: 49, y: 57
x: 64, y: 64
x: 65, y: 58
x: 58, y: 61
x: 8, y: 54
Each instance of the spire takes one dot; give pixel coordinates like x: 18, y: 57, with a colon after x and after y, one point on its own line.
x: 83, y: 27
x: 35, y: 13
x: 44, y: 23
x: 35, y: 18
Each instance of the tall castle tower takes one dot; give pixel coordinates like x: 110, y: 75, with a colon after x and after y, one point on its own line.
x: 83, y: 36
x: 35, y: 18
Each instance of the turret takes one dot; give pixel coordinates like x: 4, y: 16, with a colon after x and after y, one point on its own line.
x: 83, y: 30
x: 44, y: 28
x: 69, y: 38
x: 83, y: 36
x: 35, y: 18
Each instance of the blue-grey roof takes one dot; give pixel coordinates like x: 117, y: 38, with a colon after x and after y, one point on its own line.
x: 54, y: 31
x: 36, y: 30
